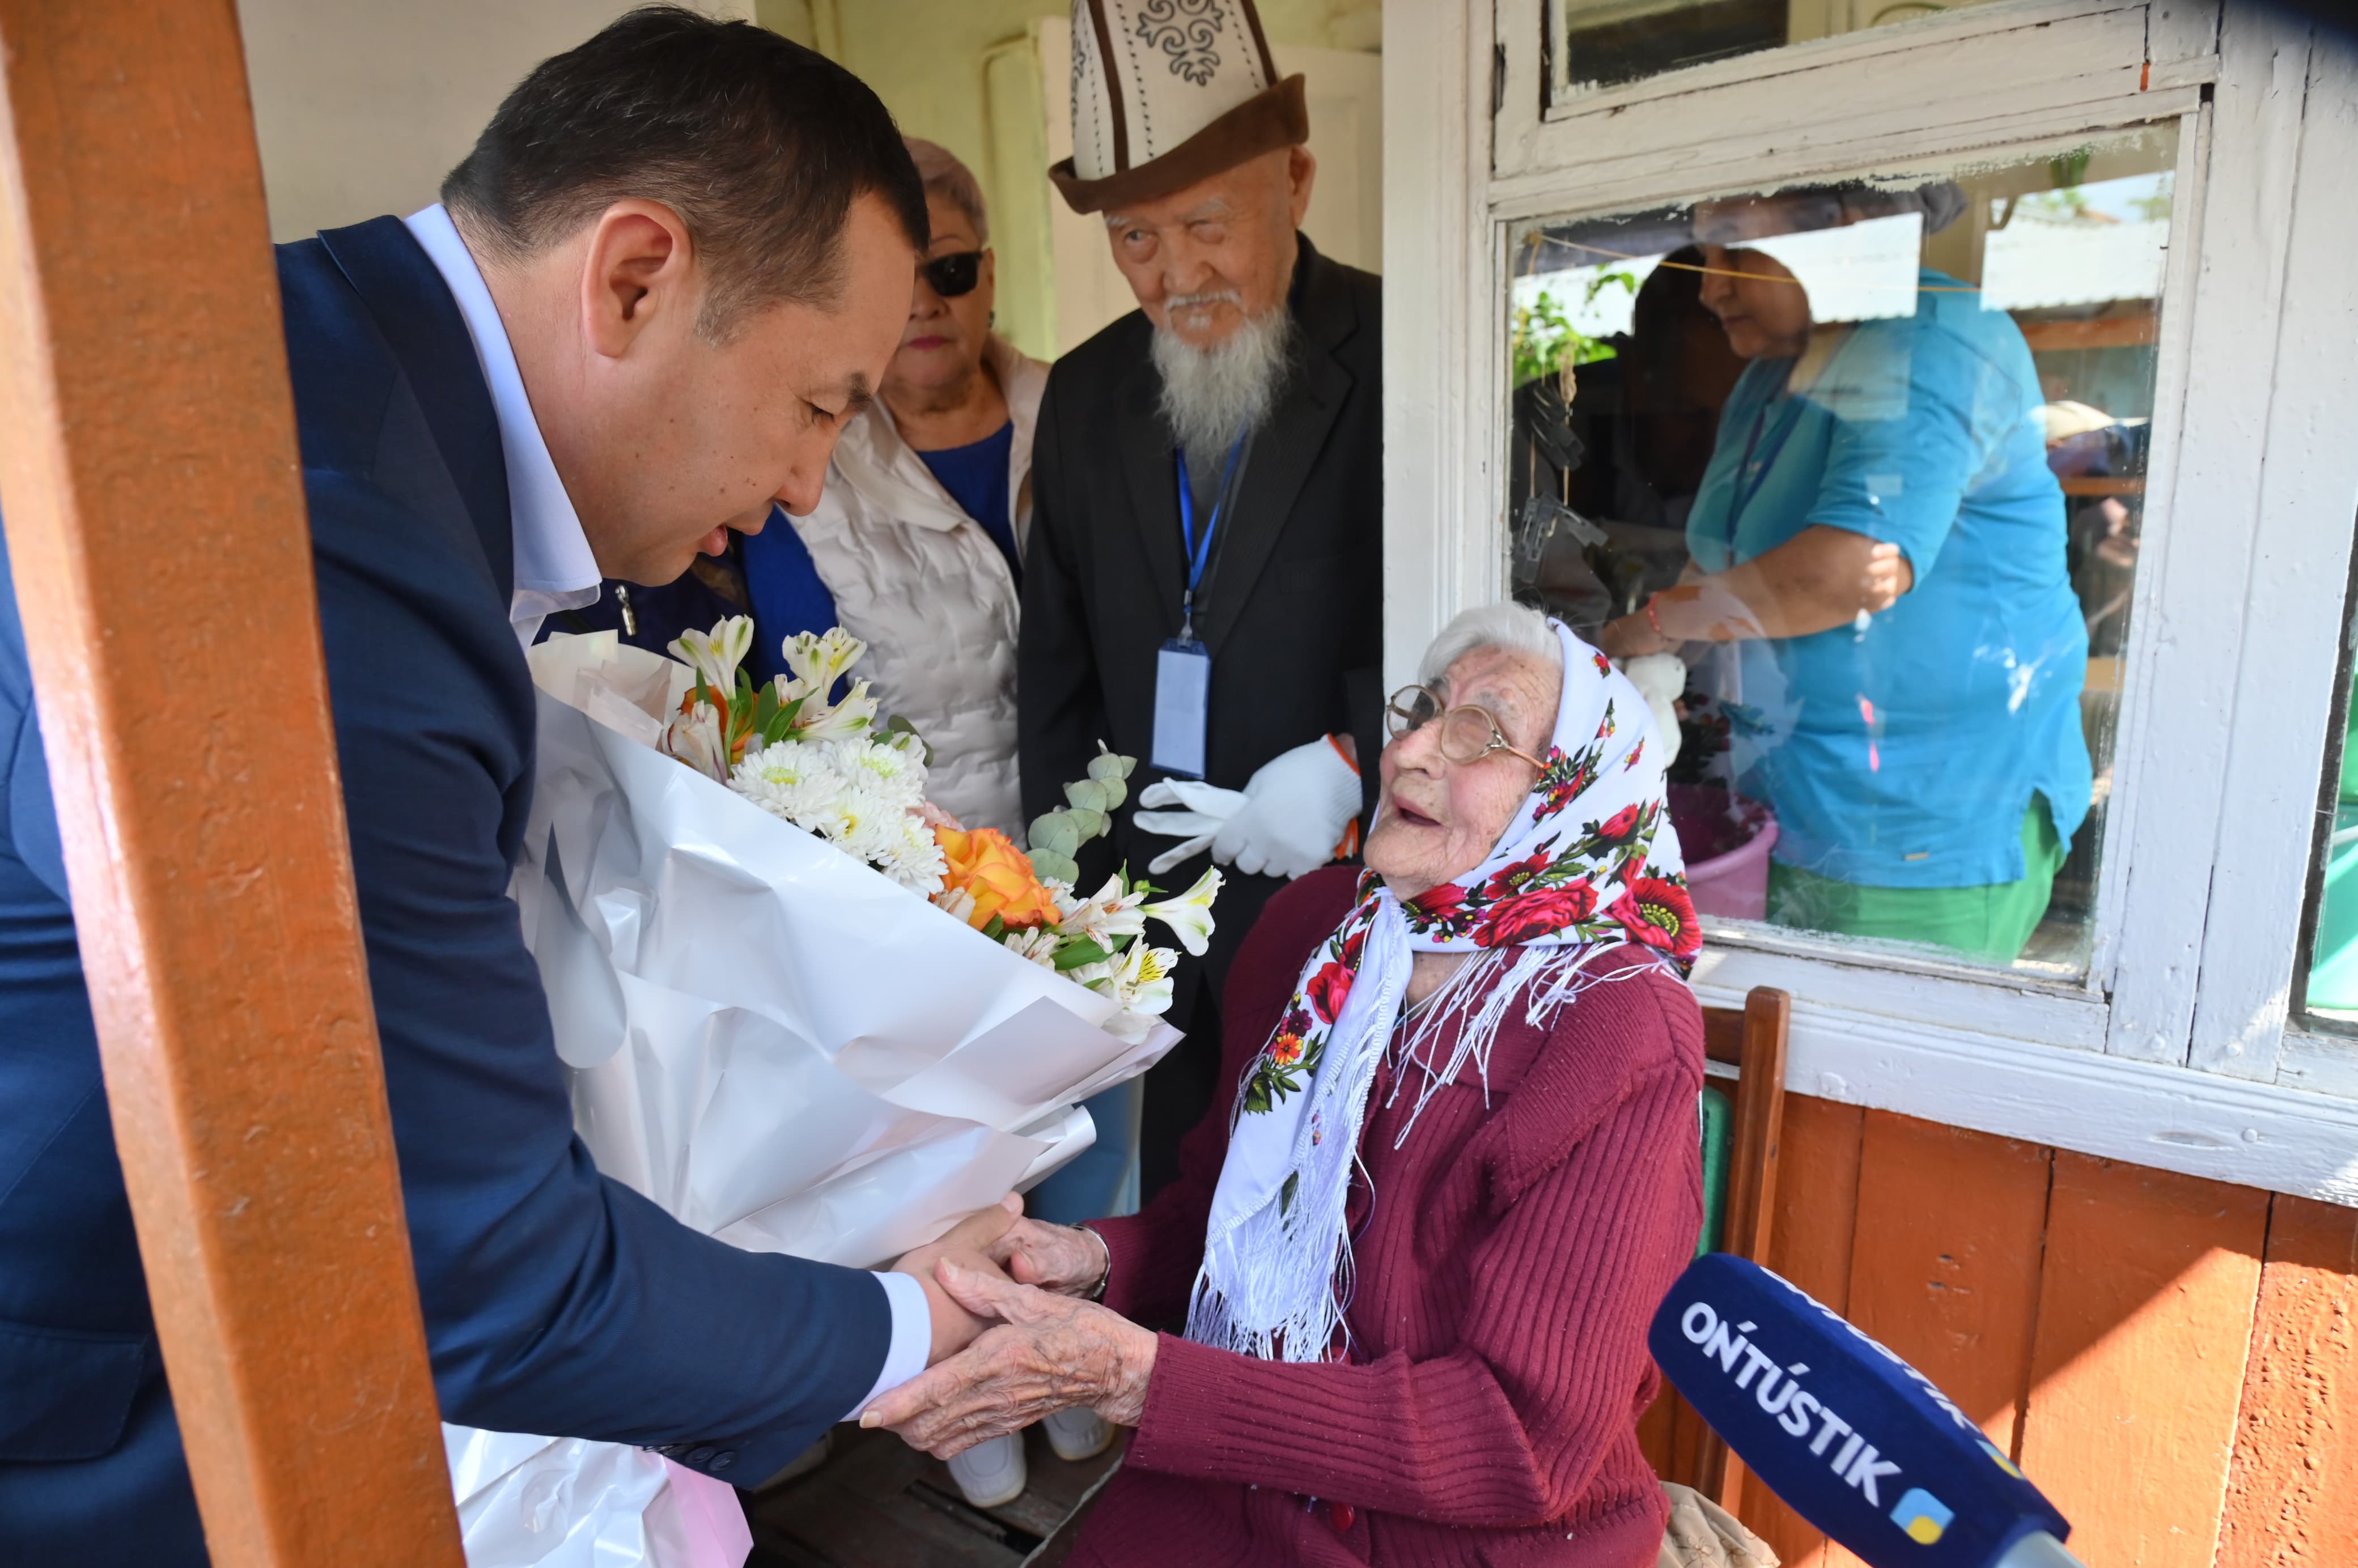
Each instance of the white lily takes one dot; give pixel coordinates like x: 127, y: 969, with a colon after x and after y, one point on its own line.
x: 715, y: 655
x: 1141, y: 982
x: 820, y: 661
x: 695, y: 738
x: 1039, y: 944
x: 1189, y: 915
x: 1107, y: 916
x: 849, y: 719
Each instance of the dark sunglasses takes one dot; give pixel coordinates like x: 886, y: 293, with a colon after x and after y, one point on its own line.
x: 953, y: 274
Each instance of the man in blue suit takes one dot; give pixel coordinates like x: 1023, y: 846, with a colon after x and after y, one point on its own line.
x: 675, y: 264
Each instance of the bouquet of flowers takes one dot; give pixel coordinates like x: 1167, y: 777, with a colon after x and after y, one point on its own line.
x: 794, y: 751
x: 803, y: 1011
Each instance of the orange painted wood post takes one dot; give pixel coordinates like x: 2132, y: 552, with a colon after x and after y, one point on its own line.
x: 2292, y: 1490
x: 2145, y: 1303
x: 157, y: 530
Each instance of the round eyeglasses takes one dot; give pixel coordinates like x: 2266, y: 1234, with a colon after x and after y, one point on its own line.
x: 953, y: 274
x: 1467, y: 734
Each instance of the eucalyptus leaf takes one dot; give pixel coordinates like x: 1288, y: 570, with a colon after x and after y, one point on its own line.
x: 1108, y: 767
x: 1050, y: 866
x: 1087, y: 795
x: 1090, y: 824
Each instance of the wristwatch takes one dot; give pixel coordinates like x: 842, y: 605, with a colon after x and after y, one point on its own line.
x: 1103, y: 1274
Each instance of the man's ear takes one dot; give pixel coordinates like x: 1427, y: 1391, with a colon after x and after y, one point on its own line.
x: 1300, y: 173
x: 638, y: 269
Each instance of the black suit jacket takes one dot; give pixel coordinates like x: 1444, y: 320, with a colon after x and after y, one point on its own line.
x: 1292, y: 609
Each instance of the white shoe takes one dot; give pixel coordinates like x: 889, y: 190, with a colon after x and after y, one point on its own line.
x: 1077, y: 1433
x: 992, y: 1473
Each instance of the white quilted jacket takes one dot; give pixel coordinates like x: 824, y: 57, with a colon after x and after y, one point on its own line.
x: 921, y: 583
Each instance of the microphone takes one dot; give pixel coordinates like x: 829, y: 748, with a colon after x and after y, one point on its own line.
x: 1858, y: 1441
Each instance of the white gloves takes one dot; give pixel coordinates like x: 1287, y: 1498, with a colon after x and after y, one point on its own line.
x: 1662, y: 680
x: 1287, y: 821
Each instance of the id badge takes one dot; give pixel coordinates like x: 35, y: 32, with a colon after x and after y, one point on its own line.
x: 1183, y: 690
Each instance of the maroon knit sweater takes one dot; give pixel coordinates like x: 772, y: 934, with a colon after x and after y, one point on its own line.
x: 1508, y: 1260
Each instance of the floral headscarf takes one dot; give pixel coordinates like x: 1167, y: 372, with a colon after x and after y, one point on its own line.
x: 1591, y: 862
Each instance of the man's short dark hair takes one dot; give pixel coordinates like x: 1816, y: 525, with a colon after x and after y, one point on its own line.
x: 759, y: 144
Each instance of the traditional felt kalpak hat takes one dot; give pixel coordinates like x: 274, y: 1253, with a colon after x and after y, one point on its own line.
x: 1166, y: 92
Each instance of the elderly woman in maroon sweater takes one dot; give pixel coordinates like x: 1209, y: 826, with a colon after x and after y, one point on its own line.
x: 1435, y: 1352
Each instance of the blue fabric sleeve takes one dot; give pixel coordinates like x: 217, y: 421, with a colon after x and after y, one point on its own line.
x: 1909, y: 434
x: 556, y: 1301
x: 29, y: 821
x: 788, y: 594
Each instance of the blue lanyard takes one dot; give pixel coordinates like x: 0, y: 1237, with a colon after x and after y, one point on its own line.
x: 1200, y: 554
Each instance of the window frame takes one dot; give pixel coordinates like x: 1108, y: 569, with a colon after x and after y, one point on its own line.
x: 2174, y: 1049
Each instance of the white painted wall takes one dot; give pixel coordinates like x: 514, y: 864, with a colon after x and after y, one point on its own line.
x: 363, y: 105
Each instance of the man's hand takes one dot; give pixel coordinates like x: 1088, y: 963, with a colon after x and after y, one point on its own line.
x: 1049, y: 1353
x: 1055, y: 1257
x: 968, y: 1242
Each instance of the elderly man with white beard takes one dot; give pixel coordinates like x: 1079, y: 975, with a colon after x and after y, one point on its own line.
x: 1204, y: 579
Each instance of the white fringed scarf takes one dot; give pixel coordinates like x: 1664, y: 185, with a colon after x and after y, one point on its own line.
x: 1591, y: 862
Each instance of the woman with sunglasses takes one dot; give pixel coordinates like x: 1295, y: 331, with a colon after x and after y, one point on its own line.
x: 918, y: 540
x: 1416, y: 1247
x: 918, y: 543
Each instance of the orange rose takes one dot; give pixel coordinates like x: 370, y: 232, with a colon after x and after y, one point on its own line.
x: 999, y: 877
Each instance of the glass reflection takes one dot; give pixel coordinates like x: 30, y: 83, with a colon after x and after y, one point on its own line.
x: 1868, y: 462
x: 1602, y: 43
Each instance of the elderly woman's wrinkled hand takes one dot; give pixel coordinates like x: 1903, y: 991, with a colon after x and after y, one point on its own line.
x: 1064, y: 1259
x: 1049, y: 1353
x: 954, y: 1327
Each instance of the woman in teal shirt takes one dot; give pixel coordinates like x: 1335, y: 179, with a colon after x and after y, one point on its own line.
x: 1879, y: 533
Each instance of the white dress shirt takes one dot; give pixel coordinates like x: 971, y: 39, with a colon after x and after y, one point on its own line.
x: 556, y: 570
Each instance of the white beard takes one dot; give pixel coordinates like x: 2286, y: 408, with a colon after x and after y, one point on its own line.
x: 1211, y: 396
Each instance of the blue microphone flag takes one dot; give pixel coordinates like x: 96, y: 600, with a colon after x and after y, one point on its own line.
x: 1858, y: 1441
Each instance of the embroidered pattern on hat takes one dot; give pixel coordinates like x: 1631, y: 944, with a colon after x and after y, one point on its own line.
x: 1186, y: 30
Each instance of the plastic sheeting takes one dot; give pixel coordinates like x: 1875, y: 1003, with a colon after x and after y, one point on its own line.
x: 772, y: 1041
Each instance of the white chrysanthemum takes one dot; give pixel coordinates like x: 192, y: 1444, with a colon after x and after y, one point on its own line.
x: 918, y: 860
x: 791, y: 780
x: 893, y: 771
x: 866, y: 811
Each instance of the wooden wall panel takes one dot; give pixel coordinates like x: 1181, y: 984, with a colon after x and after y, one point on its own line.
x: 1817, y: 1198
x: 2145, y: 1317
x: 2292, y: 1497
x: 1957, y: 1300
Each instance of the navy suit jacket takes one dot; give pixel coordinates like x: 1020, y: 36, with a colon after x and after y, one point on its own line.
x: 557, y: 1302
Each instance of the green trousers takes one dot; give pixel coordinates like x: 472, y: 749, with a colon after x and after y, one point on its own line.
x: 1990, y: 921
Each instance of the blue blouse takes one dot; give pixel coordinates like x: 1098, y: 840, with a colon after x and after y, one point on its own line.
x: 1904, y: 753
x: 976, y: 477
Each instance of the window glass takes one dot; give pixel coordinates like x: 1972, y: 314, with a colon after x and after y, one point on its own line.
x: 1603, y: 43
x: 2330, y: 993
x: 1858, y: 471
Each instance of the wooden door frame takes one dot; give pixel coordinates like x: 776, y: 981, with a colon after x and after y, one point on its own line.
x: 157, y: 536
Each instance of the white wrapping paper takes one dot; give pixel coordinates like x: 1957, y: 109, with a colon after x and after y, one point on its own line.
x: 771, y: 1039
